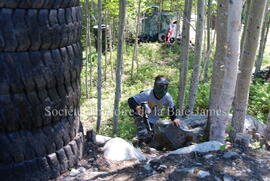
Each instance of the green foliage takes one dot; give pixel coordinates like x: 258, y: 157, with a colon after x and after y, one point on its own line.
x: 230, y: 128
x: 259, y: 100
x: 202, y: 97
x: 222, y: 148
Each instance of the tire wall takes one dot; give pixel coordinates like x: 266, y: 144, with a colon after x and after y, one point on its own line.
x: 40, y: 63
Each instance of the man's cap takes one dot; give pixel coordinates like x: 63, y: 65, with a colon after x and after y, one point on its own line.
x: 162, y: 80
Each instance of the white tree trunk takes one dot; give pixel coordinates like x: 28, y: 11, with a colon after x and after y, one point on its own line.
x: 207, y: 59
x: 90, y: 51
x: 263, y: 40
x: 246, y: 65
x: 218, y: 67
x: 247, y: 10
x: 122, y: 17
x: 106, y: 45
x: 99, y: 84
x: 184, y: 54
x: 111, y: 50
x: 198, y: 54
x: 135, y: 51
x: 209, y: 15
x: 219, y: 122
x: 178, y: 23
x: 87, y: 45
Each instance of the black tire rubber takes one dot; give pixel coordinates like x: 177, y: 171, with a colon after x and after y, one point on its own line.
x: 161, y: 37
x: 172, y: 40
x: 31, y: 30
x: 37, y: 143
x: 27, y: 71
x: 46, y: 167
x: 32, y: 89
x: 38, y: 4
x: 40, y: 66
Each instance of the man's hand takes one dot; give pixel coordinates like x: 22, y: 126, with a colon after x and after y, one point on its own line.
x: 177, y: 122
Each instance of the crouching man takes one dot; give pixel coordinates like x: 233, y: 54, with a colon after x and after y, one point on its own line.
x: 155, y: 99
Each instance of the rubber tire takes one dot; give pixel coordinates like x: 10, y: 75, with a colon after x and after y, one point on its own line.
x: 172, y: 40
x: 39, y: 142
x: 38, y: 4
x: 32, y: 30
x: 160, y: 37
x: 33, y: 83
x: 46, y: 167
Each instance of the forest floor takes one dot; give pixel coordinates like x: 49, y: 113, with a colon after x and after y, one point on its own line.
x: 241, y: 164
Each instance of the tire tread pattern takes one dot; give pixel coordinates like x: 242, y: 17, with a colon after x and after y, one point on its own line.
x: 31, y: 30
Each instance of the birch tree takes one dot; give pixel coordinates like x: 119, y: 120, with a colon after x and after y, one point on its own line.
x: 106, y: 44
x: 122, y: 17
x: 90, y: 49
x: 246, y: 15
x: 246, y: 65
x: 87, y: 45
x: 99, y: 84
x: 111, y: 50
x: 228, y: 83
x: 209, y: 14
x: 198, y: 53
x: 218, y: 67
x: 264, y: 35
x: 135, y: 51
x: 184, y: 54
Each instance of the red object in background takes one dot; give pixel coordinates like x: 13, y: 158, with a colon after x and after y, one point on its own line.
x: 170, y: 32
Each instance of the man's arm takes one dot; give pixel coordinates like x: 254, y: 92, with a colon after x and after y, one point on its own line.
x: 172, y: 111
x: 135, y: 101
x: 132, y: 103
x: 172, y: 114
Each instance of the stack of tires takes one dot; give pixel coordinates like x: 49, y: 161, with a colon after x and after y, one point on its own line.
x: 40, y: 62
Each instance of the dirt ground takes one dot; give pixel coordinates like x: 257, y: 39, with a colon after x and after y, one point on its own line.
x: 246, y: 165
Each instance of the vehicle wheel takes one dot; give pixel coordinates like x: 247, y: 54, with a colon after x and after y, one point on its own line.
x: 161, y: 37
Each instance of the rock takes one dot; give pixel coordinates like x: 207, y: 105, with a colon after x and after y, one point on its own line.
x: 208, y: 156
x: 161, y: 168
x: 153, y: 150
x: 227, y: 178
x: 251, y: 125
x: 155, y: 163
x: 172, y: 137
x: 101, y: 140
x: 74, y: 173
x: 198, y: 164
x: 195, y: 120
x: 117, y: 149
x: 147, y: 167
x: 242, y: 139
x: 203, y: 174
x: 187, y: 170
x: 201, y: 148
x: 81, y: 169
x: 182, y: 174
x: 217, y: 179
x: 231, y: 155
